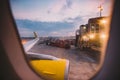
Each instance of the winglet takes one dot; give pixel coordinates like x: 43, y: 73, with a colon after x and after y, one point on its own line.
x: 35, y: 35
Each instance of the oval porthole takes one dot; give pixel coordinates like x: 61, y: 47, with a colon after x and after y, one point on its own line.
x: 64, y: 39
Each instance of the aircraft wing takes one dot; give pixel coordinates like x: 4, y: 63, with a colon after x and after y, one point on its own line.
x: 49, y: 67
x: 28, y: 45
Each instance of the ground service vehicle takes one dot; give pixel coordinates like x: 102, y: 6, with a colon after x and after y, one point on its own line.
x: 92, y: 34
x: 59, y: 43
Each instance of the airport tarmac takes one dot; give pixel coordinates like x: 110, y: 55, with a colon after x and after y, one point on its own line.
x: 82, y: 66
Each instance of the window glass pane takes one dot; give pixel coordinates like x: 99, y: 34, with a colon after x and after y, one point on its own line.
x: 73, y: 30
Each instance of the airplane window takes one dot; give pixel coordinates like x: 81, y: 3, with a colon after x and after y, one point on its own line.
x: 64, y: 39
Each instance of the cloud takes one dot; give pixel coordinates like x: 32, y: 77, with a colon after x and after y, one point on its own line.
x: 57, y: 11
x: 25, y: 32
x: 27, y: 27
x: 57, y: 18
x: 69, y: 3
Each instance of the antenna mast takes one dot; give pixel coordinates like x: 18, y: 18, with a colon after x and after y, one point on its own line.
x: 100, y: 9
